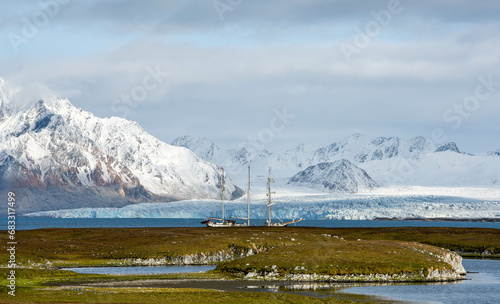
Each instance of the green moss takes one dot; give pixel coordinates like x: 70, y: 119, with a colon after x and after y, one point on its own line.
x: 157, y: 295
x: 340, y: 257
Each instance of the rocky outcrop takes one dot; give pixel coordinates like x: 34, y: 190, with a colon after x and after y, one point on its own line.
x: 233, y: 252
x: 435, y: 275
x: 457, y: 272
x: 455, y: 261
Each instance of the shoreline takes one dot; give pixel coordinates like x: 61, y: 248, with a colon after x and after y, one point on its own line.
x: 441, y: 219
x: 191, y: 283
x: 332, y: 289
x: 314, y: 278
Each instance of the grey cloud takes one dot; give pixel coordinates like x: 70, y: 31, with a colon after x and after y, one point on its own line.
x: 201, y: 15
x: 273, y: 54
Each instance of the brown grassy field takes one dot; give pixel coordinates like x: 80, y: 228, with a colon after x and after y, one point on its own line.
x: 74, y: 247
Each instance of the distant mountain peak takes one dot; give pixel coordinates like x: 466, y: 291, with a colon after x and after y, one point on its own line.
x: 451, y: 146
x: 495, y: 153
x: 209, y: 151
x: 202, y: 147
x: 340, y: 176
x: 307, y: 147
x: 357, y: 135
x: 387, y: 159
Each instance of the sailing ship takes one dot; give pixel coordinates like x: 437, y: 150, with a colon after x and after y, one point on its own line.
x: 222, y: 222
x: 269, y: 221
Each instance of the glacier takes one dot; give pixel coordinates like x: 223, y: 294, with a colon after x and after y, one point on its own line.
x: 383, y: 203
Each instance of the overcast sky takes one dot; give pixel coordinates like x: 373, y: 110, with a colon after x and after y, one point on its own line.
x: 280, y: 72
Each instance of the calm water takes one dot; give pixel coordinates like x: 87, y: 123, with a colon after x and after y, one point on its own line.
x: 24, y: 223
x: 482, y: 287
x: 142, y: 269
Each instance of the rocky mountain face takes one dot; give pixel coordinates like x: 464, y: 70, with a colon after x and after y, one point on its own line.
x: 357, y: 148
x: 203, y: 148
x: 56, y: 156
x: 340, y: 176
x: 495, y: 153
x: 209, y: 151
x: 362, y: 148
x: 448, y: 147
x: 390, y: 161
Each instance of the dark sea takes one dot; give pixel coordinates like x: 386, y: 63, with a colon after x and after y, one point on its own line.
x: 27, y: 223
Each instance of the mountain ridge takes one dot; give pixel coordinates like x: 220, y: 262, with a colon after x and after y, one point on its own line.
x: 390, y: 161
x: 52, y: 153
x: 340, y: 176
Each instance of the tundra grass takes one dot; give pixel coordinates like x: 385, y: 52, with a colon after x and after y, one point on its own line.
x: 468, y: 242
x: 158, y: 296
x: 57, y: 286
x: 113, y: 246
x: 342, y: 257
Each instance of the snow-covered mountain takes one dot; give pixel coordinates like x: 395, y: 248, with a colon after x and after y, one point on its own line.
x: 204, y: 149
x: 361, y: 148
x: 390, y: 161
x: 357, y: 148
x: 341, y: 176
x: 495, y: 153
x: 57, y: 156
x: 448, y: 147
x: 209, y: 151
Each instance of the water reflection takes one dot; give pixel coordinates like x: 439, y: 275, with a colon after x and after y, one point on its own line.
x: 141, y: 269
x: 481, y: 287
x: 313, y: 286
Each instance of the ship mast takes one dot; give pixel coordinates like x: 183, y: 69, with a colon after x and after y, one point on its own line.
x: 269, y: 203
x: 248, y: 197
x: 222, y: 193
